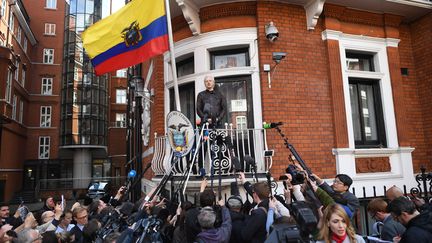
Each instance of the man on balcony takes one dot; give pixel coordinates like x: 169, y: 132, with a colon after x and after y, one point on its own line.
x: 211, y: 105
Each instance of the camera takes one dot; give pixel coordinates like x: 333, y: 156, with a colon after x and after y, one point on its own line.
x: 298, y: 177
x: 278, y: 56
x: 272, y: 34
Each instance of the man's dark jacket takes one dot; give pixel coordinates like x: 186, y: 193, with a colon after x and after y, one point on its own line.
x: 351, y: 200
x: 419, y: 229
x: 215, y: 108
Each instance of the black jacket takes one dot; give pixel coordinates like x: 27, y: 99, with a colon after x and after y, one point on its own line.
x: 237, y: 226
x: 351, y: 200
x: 211, y: 104
x: 419, y: 229
x: 254, y: 227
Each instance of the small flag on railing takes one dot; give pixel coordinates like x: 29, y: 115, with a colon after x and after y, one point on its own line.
x: 132, y: 35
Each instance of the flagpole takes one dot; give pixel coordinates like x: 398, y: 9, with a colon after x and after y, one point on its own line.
x: 172, y: 55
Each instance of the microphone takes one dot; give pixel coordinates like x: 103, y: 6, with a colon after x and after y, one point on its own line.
x: 131, y: 175
x: 272, y: 125
x: 249, y: 160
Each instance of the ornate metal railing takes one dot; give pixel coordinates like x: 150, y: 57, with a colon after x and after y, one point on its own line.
x: 215, y: 152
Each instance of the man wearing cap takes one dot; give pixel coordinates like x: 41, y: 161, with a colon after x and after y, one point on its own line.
x: 339, y: 191
x: 234, y: 204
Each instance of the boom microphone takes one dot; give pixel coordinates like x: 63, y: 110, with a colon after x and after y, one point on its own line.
x: 272, y: 125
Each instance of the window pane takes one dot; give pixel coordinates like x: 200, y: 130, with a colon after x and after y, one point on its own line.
x: 238, y: 94
x: 359, y: 61
x: 355, y: 114
x: 185, y: 67
x: 229, y: 58
x: 187, y: 100
x: 368, y: 110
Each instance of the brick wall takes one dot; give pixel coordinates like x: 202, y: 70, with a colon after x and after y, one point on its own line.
x: 421, y: 36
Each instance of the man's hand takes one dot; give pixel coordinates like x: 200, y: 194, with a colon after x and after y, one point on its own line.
x: 242, y: 177
x: 204, y: 184
x: 30, y: 221
x: 120, y: 192
x: 221, y: 202
x: 318, y: 179
x: 58, y: 211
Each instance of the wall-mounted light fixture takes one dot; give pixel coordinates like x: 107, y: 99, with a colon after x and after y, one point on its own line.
x: 272, y: 33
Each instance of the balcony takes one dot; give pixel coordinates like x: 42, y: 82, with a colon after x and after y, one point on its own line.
x: 213, y: 153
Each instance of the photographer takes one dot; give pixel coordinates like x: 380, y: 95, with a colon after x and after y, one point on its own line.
x: 209, y: 233
x: 339, y: 191
x: 5, y: 217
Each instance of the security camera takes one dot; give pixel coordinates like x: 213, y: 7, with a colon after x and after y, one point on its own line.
x: 278, y: 56
x: 272, y: 34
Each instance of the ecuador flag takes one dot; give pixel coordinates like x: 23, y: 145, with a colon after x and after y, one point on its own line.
x: 133, y: 34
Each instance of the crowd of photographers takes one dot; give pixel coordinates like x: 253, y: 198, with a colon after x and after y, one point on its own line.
x: 309, y: 211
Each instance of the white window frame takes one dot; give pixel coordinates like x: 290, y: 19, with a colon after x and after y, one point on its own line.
x: 122, y: 73
x: 51, y: 4
x: 16, y: 74
x: 23, y: 77
x: 45, y: 116
x: 19, y: 34
x: 25, y: 44
x: 241, y: 122
x: 120, y: 97
x: 8, y: 88
x: 50, y: 29
x: 48, y: 56
x: 14, y: 106
x: 120, y: 120
x: 400, y: 157
x: 11, y: 22
x: 44, y: 147
x: 46, y: 88
x: 21, y: 112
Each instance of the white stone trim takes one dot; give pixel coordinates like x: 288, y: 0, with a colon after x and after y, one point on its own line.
x: 220, y: 39
x: 400, y: 157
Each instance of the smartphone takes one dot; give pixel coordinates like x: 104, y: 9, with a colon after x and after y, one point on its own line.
x: 62, y: 202
x: 23, y: 212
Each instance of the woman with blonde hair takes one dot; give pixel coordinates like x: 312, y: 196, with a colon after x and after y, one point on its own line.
x: 336, y: 227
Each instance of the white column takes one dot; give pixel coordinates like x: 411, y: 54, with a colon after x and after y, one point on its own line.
x: 82, y: 168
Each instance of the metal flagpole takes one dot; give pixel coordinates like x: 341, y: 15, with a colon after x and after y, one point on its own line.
x: 172, y: 55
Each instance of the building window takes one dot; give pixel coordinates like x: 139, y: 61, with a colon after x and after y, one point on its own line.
x: 8, y: 86
x: 122, y: 73
x: 3, y: 8
x: 21, y: 111
x: 25, y: 44
x: 44, y: 147
x: 17, y: 70
x: 45, y: 116
x: 120, y: 120
x: 359, y: 61
x: 187, y: 100
x: 238, y: 95
x: 185, y: 67
x: 50, y: 29
x: 19, y: 34
x: 241, y: 122
x: 11, y: 23
x: 23, y: 77
x: 229, y: 58
x: 120, y: 96
x: 14, y: 104
x: 366, y: 113
x: 51, y: 4
x: 48, y: 56
x: 46, y: 86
